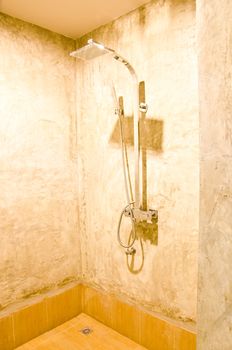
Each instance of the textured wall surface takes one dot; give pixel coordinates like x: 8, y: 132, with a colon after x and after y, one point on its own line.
x: 159, y: 41
x: 38, y: 177
x: 215, y: 89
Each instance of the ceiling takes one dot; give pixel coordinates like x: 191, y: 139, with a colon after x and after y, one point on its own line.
x: 72, y: 18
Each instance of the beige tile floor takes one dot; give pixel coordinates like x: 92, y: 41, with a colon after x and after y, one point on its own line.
x: 68, y: 337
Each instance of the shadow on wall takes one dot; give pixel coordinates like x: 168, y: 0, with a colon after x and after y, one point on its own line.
x: 151, y: 138
x: 151, y: 133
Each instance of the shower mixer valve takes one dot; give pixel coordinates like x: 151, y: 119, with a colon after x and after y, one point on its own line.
x: 143, y: 215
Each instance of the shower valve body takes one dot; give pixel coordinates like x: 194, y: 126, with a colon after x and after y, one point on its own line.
x: 142, y: 215
x: 145, y: 215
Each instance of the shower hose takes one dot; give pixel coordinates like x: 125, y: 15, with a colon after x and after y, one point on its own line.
x: 128, y: 209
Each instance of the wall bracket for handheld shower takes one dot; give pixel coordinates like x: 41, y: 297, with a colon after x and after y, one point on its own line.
x: 143, y: 107
x: 118, y: 111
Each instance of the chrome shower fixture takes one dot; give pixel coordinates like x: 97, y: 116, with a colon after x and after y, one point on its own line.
x: 94, y: 49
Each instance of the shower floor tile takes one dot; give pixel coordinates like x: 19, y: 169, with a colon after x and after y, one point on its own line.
x: 68, y: 336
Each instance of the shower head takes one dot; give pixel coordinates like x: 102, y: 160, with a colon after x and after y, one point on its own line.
x: 92, y: 50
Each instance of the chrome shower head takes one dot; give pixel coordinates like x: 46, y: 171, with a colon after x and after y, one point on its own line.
x: 92, y: 50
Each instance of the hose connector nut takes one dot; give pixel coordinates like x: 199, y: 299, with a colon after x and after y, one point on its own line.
x: 130, y: 251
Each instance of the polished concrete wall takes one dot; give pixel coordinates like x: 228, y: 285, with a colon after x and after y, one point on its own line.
x: 38, y: 174
x: 214, y: 20
x: 159, y: 41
